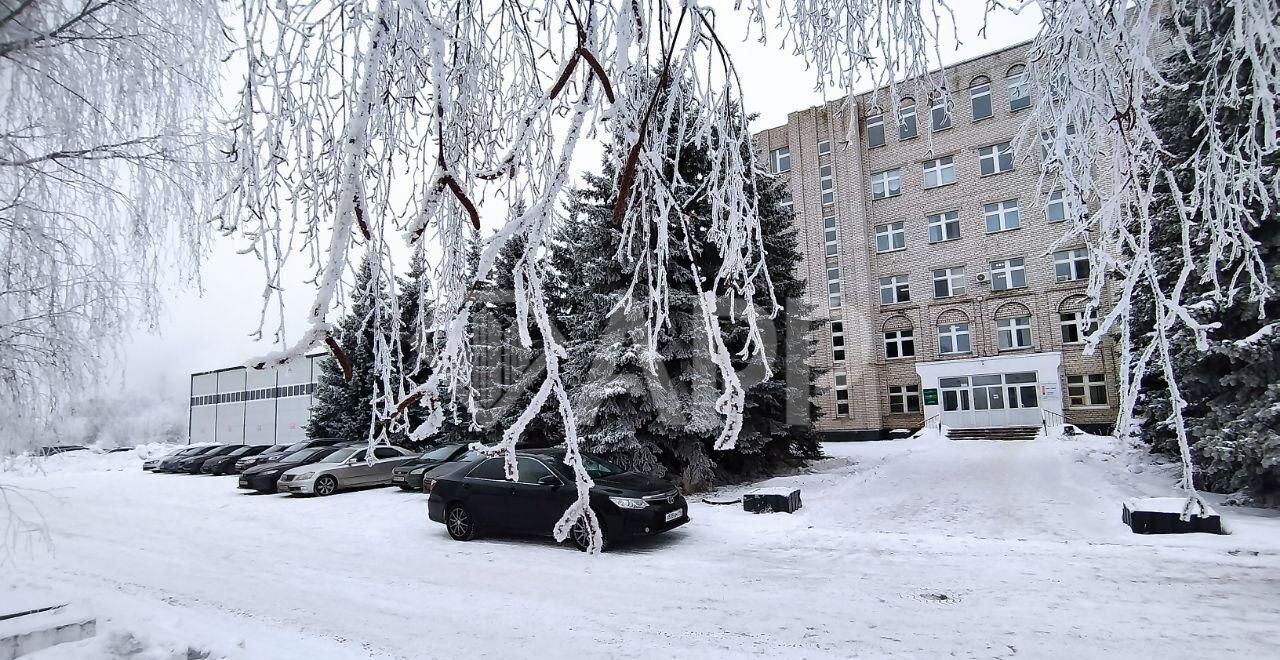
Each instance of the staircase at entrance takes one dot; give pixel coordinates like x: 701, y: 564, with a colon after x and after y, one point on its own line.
x: 994, y: 433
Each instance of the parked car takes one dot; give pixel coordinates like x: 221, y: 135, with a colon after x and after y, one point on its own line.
x: 263, y: 478
x: 224, y: 464
x: 408, y: 475
x: 270, y: 456
x: 192, y: 464
x: 348, y: 467
x: 151, y: 464
x: 476, y: 497
x: 58, y: 449
x: 169, y: 463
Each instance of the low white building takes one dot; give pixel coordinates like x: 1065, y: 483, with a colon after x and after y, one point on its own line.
x: 238, y: 405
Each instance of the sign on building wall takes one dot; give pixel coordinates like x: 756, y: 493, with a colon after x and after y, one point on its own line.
x: 930, y: 396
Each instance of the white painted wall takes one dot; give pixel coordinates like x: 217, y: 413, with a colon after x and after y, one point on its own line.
x: 1046, y: 366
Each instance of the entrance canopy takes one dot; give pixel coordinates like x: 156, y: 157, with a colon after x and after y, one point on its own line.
x: 1008, y: 390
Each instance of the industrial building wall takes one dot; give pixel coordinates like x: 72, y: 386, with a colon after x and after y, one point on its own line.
x: 260, y: 407
x: 231, y: 413
x: 253, y: 406
x: 203, y: 420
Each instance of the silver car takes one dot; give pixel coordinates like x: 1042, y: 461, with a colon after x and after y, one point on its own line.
x: 349, y: 467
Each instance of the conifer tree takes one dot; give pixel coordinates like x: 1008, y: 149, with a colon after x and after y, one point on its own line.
x: 1232, y: 391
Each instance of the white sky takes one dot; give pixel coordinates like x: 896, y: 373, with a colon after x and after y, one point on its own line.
x: 211, y: 330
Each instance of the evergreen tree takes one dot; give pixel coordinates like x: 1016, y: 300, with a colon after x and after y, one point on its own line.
x: 344, y: 409
x: 665, y: 422
x: 1233, y: 390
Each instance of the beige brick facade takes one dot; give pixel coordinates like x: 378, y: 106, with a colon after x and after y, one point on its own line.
x: 864, y: 318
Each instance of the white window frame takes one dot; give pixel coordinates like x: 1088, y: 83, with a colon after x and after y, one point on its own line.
x: 903, y: 396
x: 876, y: 122
x: 1010, y: 332
x: 897, y: 288
x: 954, y: 332
x: 778, y: 157
x: 834, y: 299
x: 940, y: 102
x: 894, y: 234
x: 827, y: 184
x: 907, y: 118
x: 946, y: 224
x: 886, y: 184
x: 838, y: 348
x: 940, y: 169
x: 786, y: 202
x: 831, y: 234
x: 900, y: 339
x: 1057, y: 201
x: 1006, y: 213
x: 1080, y: 391
x: 824, y: 148
x: 1071, y: 265
x: 980, y: 90
x: 1075, y: 323
x: 1019, y: 90
x: 957, y: 283
x: 841, y: 393
x: 1005, y: 270
x: 998, y: 156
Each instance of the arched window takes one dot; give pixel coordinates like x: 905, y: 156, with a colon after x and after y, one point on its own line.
x: 906, y: 118
x: 1019, y: 88
x: 980, y: 97
x: 875, y: 128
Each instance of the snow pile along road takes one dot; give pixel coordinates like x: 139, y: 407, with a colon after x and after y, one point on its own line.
x: 916, y: 548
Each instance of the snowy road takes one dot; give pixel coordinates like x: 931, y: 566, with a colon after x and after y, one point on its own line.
x: 918, y: 549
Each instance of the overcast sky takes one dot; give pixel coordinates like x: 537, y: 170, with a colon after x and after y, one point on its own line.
x: 210, y: 329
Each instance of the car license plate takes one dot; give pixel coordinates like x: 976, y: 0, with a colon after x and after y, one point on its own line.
x: 397, y: 478
x: 675, y: 515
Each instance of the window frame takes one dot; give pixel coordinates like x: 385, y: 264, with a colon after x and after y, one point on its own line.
x: 777, y: 156
x: 835, y: 300
x: 1000, y: 156
x: 1085, y: 385
x: 975, y: 95
x: 904, y: 395
x: 1077, y: 265
x: 1013, y: 327
x: 890, y: 234
x: 827, y: 184
x: 954, y: 333
x: 937, y: 167
x: 950, y: 276
x: 907, y: 118
x: 1006, y: 273
x: 1001, y: 211
x: 838, y: 350
x: 831, y: 235
x: 940, y: 102
x: 1021, y: 84
x: 883, y: 179
x: 824, y: 143
x: 943, y: 222
x: 1057, y: 198
x: 902, y: 341
x: 898, y: 287
x: 875, y: 127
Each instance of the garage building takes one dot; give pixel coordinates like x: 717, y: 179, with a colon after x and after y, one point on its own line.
x: 238, y: 405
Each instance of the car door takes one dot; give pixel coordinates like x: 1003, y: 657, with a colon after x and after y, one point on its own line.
x: 356, y: 470
x: 536, y: 507
x: 487, y: 494
x: 384, y: 460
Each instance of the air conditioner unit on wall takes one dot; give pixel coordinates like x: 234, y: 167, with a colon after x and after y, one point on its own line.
x: 981, y: 277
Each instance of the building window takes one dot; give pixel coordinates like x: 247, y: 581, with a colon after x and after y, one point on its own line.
x: 907, y: 119
x: 1002, y: 216
x: 781, y: 160
x: 842, y: 395
x: 899, y: 344
x: 1048, y: 142
x: 1087, y: 390
x: 826, y: 185
x: 886, y: 184
x: 944, y: 226
x: 837, y: 341
x: 1008, y: 274
x: 875, y: 131
x: 891, y: 237
x: 1019, y: 88
x: 904, y: 398
x: 833, y: 287
x: 1056, y: 209
x: 953, y: 338
x: 824, y: 148
x: 829, y: 228
x: 894, y: 289
x: 995, y: 159
x: 948, y: 282
x: 1075, y: 327
x: 1070, y: 265
x: 1014, y: 333
x: 939, y: 172
x: 980, y: 98
x: 940, y: 113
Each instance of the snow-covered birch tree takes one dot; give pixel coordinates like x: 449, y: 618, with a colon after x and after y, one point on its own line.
x: 104, y: 164
x: 364, y: 122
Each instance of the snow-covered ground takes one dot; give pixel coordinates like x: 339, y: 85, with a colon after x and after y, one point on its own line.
x: 920, y: 548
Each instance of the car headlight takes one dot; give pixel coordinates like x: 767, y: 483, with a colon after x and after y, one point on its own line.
x: 304, y: 476
x: 419, y: 470
x: 629, y: 502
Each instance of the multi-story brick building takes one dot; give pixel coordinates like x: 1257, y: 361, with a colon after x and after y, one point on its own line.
x: 927, y: 244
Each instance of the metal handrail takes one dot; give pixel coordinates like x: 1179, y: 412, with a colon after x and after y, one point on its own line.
x: 938, y: 425
x: 1048, y: 415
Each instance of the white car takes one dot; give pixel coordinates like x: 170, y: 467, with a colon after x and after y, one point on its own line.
x: 346, y: 468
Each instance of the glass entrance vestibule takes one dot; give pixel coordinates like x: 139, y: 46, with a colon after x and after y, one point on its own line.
x: 991, y: 392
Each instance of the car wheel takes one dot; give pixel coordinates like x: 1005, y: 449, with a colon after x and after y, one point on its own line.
x: 581, y: 536
x: 462, y: 527
x: 326, y: 485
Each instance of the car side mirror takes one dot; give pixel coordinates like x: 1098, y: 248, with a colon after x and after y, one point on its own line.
x: 549, y: 480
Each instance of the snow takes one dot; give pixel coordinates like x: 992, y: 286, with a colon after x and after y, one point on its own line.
x: 1162, y: 505
x: 914, y: 548
x: 784, y: 491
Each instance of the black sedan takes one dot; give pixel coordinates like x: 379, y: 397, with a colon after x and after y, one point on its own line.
x: 192, y: 464
x: 409, y: 475
x: 170, y: 464
x: 475, y: 497
x: 264, y: 478
x: 225, y: 463
x: 152, y: 463
x: 272, y: 454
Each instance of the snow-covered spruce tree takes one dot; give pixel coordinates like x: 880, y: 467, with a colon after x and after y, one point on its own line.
x: 105, y: 157
x: 652, y: 409
x: 1232, y: 390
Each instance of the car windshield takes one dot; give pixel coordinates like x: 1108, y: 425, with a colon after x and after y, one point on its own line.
x: 241, y: 451
x: 275, y: 449
x: 598, y: 467
x: 297, y: 446
x: 439, y: 453
x: 340, y: 455
x: 300, y: 455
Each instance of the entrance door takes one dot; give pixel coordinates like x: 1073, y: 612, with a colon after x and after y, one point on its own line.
x: 990, y: 400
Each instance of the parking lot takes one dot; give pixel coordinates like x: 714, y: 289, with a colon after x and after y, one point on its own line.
x: 892, y: 555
